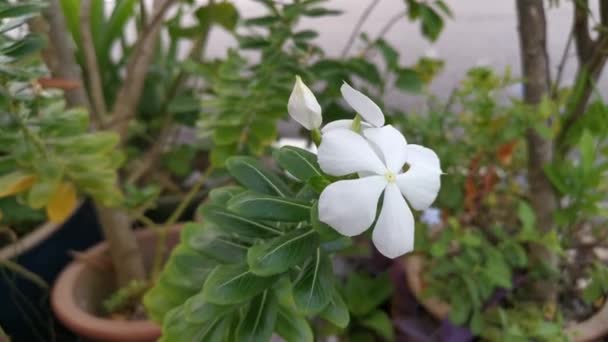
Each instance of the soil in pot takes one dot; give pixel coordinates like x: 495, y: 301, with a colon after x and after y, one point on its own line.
x: 78, y: 295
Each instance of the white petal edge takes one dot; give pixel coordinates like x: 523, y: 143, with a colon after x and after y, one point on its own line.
x: 349, y: 206
x: 416, y: 155
x: 363, y: 105
x: 303, y: 106
x: 344, y: 124
x: 390, y: 143
x: 420, y: 184
x: 393, y: 234
x: 343, y: 152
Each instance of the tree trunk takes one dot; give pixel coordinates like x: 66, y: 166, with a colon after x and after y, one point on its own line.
x: 126, y: 257
x: 535, y: 68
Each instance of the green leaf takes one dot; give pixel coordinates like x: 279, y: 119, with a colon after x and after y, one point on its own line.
x: 12, y: 10
x: 197, y: 310
x: 380, y: 323
x: 25, y: 46
x: 587, y: 149
x: 313, y: 288
x: 280, y: 254
x: 115, y: 26
x: 222, y: 195
x: 251, y: 174
x: 206, y: 240
x: 232, y: 223
x: 359, y: 285
x: 266, y: 207
x: 223, y: 14
x: 177, y: 328
x: 305, y: 34
x: 259, y: 320
x: 391, y: 56
x: 319, y: 12
x: 298, y: 162
x: 336, y: 311
x: 163, y: 298
x: 262, y: 21
x: 231, y: 284
x: 432, y: 23
x: 526, y: 216
x: 409, y: 80
x: 292, y: 326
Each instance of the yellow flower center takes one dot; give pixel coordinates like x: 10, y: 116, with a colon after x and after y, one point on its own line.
x: 390, y: 176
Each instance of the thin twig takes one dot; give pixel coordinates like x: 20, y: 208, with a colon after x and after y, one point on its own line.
x: 92, y: 67
x: 163, y: 231
x: 562, y: 64
x: 358, y: 25
x: 383, y: 32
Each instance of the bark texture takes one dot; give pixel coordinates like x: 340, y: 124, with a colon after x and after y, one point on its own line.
x: 126, y: 257
x: 535, y: 67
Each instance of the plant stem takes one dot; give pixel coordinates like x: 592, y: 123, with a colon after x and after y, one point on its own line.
x: 161, y: 238
x: 25, y: 273
x: 366, y: 13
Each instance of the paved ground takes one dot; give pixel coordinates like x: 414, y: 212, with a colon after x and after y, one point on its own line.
x: 481, y: 32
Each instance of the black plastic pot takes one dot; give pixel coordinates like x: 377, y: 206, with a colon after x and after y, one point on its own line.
x: 25, y: 312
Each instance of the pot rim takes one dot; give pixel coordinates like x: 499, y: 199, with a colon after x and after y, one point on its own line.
x: 35, y: 237
x: 592, y: 328
x: 66, y: 308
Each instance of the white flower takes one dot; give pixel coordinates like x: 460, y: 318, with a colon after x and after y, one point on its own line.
x: 349, y: 206
x: 363, y: 105
x: 304, y: 107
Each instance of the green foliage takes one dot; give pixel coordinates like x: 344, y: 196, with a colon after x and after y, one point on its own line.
x: 47, y: 152
x: 524, y: 322
x: 258, y: 268
x: 582, y: 180
x: 598, y: 287
x: 364, y: 298
x: 125, y: 297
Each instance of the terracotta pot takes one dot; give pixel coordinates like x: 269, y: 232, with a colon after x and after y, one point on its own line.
x: 80, y: 289
x: 592, y: 329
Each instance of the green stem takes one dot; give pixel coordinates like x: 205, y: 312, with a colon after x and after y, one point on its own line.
x: 164, y: 229
x: 25, y: 273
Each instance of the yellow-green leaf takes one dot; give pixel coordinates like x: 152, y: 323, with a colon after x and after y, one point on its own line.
x: 62, y: 203
x: 15, y: 182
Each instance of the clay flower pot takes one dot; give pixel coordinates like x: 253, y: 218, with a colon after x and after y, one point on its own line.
x: 79, y: 291
x: 592, y: 329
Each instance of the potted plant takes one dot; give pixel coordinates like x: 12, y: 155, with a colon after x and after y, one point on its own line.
x: 262, y: 253
x: 44, y: 169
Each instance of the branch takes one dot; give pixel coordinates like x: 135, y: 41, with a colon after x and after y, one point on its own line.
x: 584, y: 43
x: 129, y: 94
x: 90, y: 60
x: 535, y: 67
x: 587, y: 76
x: 152, y: 156
x: 59, y: 56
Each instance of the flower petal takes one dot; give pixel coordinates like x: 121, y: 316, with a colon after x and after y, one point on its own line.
x: 420, y: 184
x: 390, y: 144
x: 394, y: 231
x: 363, y: 105
x: 303, y: 106
x: 349, y: 206
x: 343, y: 152
x: 345, y: 124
